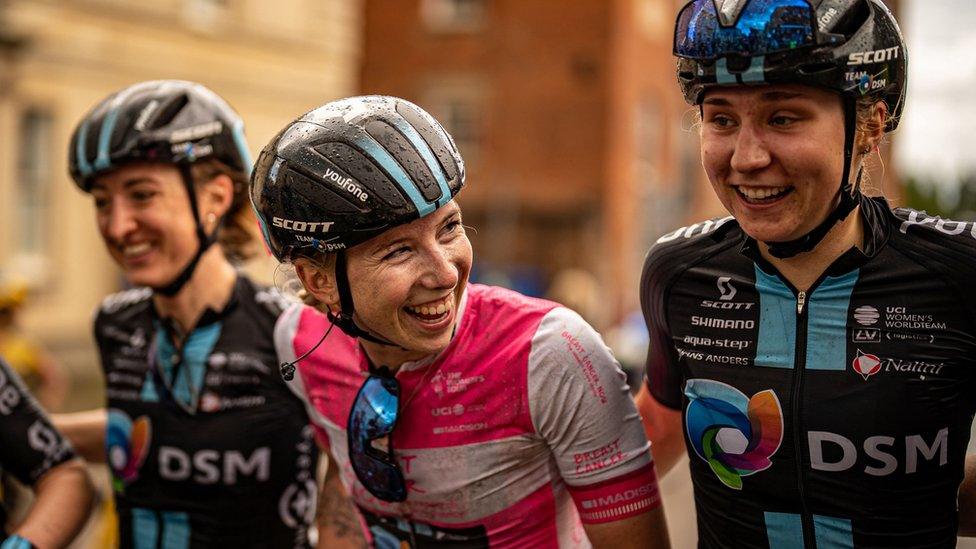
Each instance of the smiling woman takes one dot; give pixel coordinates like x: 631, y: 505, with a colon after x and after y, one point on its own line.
x: 778, y: 360
x: 438, y: 392
x: 206, y: 445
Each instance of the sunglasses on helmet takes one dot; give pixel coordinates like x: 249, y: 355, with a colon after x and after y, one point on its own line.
x: 708, y: 29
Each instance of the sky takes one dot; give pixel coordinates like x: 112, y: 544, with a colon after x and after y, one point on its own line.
x: 937, y: 135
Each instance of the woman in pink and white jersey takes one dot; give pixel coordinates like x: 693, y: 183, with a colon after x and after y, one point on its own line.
x: 456, y: 415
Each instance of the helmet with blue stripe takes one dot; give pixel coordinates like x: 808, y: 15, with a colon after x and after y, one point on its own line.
x: 162, y: 121
x: 167, y: 121
x: 350, y: 170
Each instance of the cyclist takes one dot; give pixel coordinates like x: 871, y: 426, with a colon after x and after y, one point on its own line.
x: 459, y: 415
x: 818, y: 345
x: 206, y: 445
x: 34, y: 452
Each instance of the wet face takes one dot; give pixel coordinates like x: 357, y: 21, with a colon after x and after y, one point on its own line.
x: 144, y: 217
x: 774, y: 155
x: 407, y: 284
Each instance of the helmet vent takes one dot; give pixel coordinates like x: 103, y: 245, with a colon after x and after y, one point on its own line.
x: 168, y: 111
x: 852, y: 20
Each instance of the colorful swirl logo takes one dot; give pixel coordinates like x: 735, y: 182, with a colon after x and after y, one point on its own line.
x: 734, y: 434
x: 127, y: 443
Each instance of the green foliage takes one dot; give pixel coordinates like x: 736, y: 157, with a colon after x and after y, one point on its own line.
x: 956, y: 202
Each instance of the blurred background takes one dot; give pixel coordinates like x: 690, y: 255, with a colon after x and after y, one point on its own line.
x: 579, y: 149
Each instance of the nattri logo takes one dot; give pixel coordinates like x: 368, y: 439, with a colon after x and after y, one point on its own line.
x: 127, y: 443
x: 866, y: 364
x: 725, y: 288
x: 736, y: 435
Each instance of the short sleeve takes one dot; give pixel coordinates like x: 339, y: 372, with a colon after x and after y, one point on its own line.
x: 662, y: 374
x: 29, y: 444
x: 581, y: 406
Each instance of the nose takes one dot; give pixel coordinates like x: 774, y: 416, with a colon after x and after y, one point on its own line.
x: 750, y: 152
x: 441, y: 271
x: 119, y: 221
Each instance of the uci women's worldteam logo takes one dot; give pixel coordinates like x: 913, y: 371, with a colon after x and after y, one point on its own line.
x: 734, y: 434
x: 127, y: 443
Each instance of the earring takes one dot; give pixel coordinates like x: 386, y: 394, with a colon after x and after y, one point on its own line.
x: 211, y: 219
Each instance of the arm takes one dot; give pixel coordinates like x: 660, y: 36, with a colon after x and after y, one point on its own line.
x: 663, y: 428
x: 640, y: 532
x: 85, y: 431
x: 581, y: 406
x: 967, y: 499
x: 337, y: 519
x: 62, y: 502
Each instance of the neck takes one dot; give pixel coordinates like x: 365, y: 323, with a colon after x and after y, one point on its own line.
x: 209, y: 287
x: 390, y: 356
x: 802, y: 270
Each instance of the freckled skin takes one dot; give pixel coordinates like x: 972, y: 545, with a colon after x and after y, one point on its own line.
x: 772, y: 136
x: 412, y: 264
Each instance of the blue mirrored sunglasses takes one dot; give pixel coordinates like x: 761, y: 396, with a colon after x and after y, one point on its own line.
x: 373, y: 416
x: 762, y: 27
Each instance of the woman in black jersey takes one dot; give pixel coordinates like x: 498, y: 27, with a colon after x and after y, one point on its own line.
x: 34, y: 452
x: 814, y: 352
x: 206, y: 445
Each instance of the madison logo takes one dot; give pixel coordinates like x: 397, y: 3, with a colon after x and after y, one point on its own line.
x: 127, y: 443
x: 736, y: 435
x: 866, y: 364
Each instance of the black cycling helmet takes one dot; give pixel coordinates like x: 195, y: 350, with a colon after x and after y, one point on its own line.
x: 852, y: 47
x: 348, y: 171
x: 168, y: 121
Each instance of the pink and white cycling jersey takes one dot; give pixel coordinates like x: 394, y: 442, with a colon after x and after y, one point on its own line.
x: 524, y: 414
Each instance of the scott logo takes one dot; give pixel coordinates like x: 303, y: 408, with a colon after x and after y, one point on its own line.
x: 725, y: 288
x: 302, y: 226
x: 877, y: 56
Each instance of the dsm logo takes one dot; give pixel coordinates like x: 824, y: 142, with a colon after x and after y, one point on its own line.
x: 736, y: 435
x: 127, y: 443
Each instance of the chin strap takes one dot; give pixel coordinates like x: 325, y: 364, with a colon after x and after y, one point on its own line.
x: 204, y: 240
x: 850, y: 197
x: 344, y: 319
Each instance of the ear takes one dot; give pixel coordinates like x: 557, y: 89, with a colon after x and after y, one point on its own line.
x: 871, y: 134
x: 216, y: 196
x: 319, y: 281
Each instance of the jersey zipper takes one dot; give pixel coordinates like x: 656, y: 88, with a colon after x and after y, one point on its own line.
x: 799, y: 365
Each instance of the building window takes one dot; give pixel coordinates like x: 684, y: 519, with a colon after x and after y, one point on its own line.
x: 453, y: 15
x: 33, y: 184
x: 458, y: 105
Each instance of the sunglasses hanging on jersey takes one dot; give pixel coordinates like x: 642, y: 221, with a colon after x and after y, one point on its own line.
x: 373, y: 416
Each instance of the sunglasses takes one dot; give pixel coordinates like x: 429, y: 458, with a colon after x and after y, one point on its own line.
x: 760, y: 27
x: 373, y: 416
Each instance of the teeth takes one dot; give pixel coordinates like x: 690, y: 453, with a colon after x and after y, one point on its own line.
x: 429, y: 309
x: 137, y: 249
x: 759, y: 193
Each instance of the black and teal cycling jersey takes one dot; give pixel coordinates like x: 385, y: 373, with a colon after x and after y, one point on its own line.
x: 29, y: 444
x: 832, y: 418
x: 206, y: 444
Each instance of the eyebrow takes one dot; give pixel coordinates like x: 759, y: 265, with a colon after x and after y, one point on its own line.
x: 127, y: 184
x: 767, y: 96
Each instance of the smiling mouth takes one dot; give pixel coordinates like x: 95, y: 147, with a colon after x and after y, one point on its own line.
x: 433, y: 311
x: 762, y: 195
x: 135, y: 250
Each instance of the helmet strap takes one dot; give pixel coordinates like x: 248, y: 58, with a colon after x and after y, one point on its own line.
x: 850, y: 196
x: 204, y: 240
x: 344, y: 319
